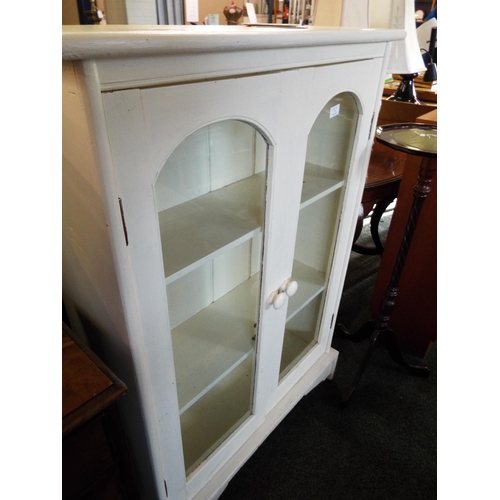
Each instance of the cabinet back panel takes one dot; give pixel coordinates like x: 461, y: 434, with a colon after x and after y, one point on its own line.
x: 232, y: 146
x: 317, y: 225
x: 234, y: 394
x: 231, y: 269
x: 330, y: 140
x: 186, y: 174
x: 190, y: 294
x: 196, y: 290
x: 210, y: 158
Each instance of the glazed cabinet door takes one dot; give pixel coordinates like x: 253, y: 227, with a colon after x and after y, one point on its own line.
x: 329, y: 152
x: 335, y: 127
x: 194, y: 166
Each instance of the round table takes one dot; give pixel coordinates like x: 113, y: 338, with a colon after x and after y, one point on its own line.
x: 420, y: 140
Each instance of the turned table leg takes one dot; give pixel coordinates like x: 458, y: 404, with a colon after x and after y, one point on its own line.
x: 378, y: 331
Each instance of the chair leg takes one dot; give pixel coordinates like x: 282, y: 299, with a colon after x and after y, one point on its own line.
x: 377, y: 214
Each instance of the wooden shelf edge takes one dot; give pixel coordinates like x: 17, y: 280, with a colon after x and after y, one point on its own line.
x: 113, y: 393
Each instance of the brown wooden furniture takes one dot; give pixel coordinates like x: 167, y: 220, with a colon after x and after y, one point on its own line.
x: 95, y: 459
x: 385, y: 170
x: 403, y: 112
x: 426, y: 96
x: 418, y: 140
x: 429, y: 117
x: 414, y: 316
x: 381, y: 189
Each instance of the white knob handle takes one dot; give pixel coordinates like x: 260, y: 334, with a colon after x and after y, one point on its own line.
x: 278, y: 299
x: 287, y: 289
x: 290, y: 287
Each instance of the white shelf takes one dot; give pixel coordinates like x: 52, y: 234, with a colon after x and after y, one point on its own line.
x: 204, y: 426
x: 201, y: 229
x: 318, y: 182
x: 311, y: 283
x: 294, y: 347
x: 300, y: 332
x: 210, y: 344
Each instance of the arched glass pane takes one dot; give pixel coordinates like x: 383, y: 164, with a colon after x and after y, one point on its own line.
x: 210, y: 196
x: 329, y: 150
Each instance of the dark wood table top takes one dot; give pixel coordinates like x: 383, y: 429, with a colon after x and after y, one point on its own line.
x: 88, y: 386
x: 386, y: 165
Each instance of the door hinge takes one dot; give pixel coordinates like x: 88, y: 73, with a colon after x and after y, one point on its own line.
x: 331, y: 322
x: 123, y: 221
x: 371, y: 125
x: 166, y: 490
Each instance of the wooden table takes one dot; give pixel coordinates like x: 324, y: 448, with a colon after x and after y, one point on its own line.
x: 386, y: 168
x: 430, y: 117
x: 95, y: 458
x: 419, y: 140
x: 415, y: 313
x: 381, y: 189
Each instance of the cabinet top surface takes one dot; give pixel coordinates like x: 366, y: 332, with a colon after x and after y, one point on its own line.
x: 104, y: 42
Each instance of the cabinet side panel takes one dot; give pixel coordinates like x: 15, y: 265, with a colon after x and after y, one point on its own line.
x: 88, y: 270
x: 89, y: 283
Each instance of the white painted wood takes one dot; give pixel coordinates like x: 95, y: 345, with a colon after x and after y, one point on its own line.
x: 196, y: 231
x: 209, y: 159
x: 187, y: 174
x: 300, y: 334
x: 190, y: 294
x: 311, y: 283
x: 232, y: 268
x: 113, y: 42
x: 318, y: 182
x: 342, y: 248
x: 209, y: 343
x: 232, y: 145
x: 314, y: 242
x: 161, y: 139
x: 234, y: 394
x: 97, y: 281
x: 309, y: 380
x: 143, y: 73
x: 329, y: 142
x: 149, y: 91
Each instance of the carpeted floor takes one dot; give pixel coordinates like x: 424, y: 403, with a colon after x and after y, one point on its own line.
x: 382, y: 445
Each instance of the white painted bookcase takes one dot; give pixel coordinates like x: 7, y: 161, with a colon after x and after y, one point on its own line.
x: 211, y: 182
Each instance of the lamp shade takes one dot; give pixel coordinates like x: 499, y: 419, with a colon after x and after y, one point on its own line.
x: 406, y: 57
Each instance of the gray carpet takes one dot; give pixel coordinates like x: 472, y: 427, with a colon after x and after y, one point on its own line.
x: 382, y: 445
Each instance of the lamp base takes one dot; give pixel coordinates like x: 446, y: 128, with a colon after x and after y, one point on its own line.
x: 406, y: 91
